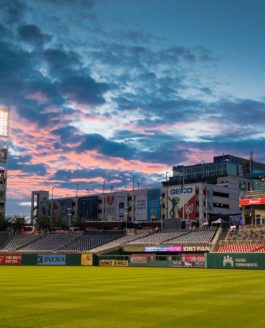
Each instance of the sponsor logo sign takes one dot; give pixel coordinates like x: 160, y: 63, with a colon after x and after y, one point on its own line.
x: 252, y: 201
x: 163, y: 249
x: 182, y: 202
x: 87, y: 259
x: 196, y: 248
x: 9, y: 259
x: 142, y: 258
x: 238, y: 262
x: 113, y: 263
x: 54, y: 259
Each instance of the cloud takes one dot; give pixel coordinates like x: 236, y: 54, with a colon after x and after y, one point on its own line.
x: 33, y: 35
x: 106, y: 147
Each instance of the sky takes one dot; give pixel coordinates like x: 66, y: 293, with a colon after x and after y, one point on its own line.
x: 122, y: 90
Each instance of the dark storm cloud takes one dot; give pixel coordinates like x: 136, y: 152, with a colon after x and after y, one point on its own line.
x: 33, y: 35
x: 106, y: 147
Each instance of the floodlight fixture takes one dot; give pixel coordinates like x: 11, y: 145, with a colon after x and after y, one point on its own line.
x: 4, y: 118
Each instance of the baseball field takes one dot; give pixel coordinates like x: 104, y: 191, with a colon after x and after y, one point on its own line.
x: 99, y: 297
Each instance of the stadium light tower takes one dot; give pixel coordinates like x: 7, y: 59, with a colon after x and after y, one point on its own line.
x: 4, y: 125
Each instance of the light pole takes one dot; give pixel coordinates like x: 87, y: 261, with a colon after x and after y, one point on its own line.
x: 69, y: 213
x: 166, y: 216
x: 52, y: 205
x: 103, y: 209
x: 77, y: 186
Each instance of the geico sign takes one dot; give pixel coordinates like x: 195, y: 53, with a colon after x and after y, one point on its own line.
x: 181, y: 191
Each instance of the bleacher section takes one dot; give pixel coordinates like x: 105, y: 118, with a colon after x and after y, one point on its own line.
x: 243, y: 239
x: 4, y: 236
x: 198, y: 236
x: 178, y: 237
x: 242, y: 248
x: 159, y: 237
x: 119, y: 242
x: 98, y: 241
x: 91, y: 240
x: 19, y: 241
x: 49, y: 242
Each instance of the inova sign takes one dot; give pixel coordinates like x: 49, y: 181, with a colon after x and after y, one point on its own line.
x: 47, y: 259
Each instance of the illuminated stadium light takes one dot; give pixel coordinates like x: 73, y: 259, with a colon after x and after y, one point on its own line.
x: 4, y: 116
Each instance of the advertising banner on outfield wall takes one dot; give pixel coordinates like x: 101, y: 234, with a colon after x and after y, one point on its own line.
x: 113, y: 263
x: 153, y: 205
x: 121, y: 206
x: 182, y: 202
x: 236, y: 260
x: 10, y: 259
x: 51, y: 259
x: 140, y: 205
x: 110, y: 207
x: 87, y: 259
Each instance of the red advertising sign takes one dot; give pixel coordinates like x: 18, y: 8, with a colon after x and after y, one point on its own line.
x: 192, y: 258
x: 252, y: 201
x: 12, y: 259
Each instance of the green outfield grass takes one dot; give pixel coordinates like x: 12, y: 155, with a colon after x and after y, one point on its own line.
x: 79, y: 297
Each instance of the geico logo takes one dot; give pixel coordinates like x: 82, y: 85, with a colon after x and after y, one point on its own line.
x: 181, y: 191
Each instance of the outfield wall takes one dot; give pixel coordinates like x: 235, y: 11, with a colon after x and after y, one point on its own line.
x: 236, y: 261
x: 85, y: 259
x: 252, y: 261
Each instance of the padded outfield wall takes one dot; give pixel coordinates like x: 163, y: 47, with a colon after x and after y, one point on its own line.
x: 47, y: 259
x: 251, y: 261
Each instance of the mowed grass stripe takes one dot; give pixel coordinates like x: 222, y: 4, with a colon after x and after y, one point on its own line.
x: 97, y: 297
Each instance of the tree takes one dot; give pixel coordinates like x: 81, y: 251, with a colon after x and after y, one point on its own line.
x: 4, y: 223
x: 18, y: 222
x: 43, y: 222
x: 77, y: 222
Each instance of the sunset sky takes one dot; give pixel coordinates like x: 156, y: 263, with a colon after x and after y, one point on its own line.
x: 108, y: 90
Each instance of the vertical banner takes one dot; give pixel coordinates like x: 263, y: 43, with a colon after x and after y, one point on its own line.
x: 140, y: 205
x: 88, y: 208
x: 110, y: 207
x: 87, y: 259
x: 182, y: 202
x: 153, y: 206
x: 121, y: 206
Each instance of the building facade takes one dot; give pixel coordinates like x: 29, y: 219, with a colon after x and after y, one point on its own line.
x: 194, y: 196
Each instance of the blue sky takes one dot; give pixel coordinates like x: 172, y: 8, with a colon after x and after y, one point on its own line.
x: 107, y: 90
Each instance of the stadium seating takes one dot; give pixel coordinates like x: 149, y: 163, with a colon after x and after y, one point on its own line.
x: 198, y: 236
x: 91, y: 240
x: 243, y: 239
x: 19, y: 241
x: 4, y: 236
x: 50, y: 242
x: 119, y: 242
x: 159, y: 237
x: 241, y: 248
